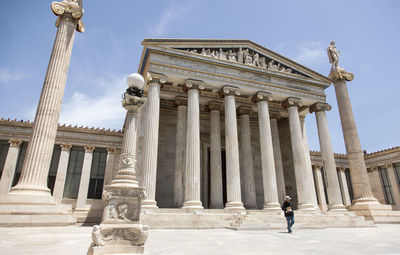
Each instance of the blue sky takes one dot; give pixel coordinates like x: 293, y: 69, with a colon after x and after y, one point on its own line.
x: 366, y: 32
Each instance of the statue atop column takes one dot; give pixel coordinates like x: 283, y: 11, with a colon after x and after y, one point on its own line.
x: 337, y: 72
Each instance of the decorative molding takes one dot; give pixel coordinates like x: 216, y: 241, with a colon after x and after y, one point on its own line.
x: 15, y: 142
x: 181, y: 101
x: 69, y: 9
x: 193, y: 84
x: 111, y: 150
x: 158, y: 78
x: 262, y: 96
x: 274, y: 115
x: 89, y: 148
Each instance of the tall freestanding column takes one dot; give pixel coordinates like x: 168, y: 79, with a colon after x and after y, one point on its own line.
x: 216, y: 196
x: 304, y: 184
x: 61, y: 173
x: 192, y: 172
x: 179, y: 180
x: 319, y: 184
x: 246, y: 158
x: 9, y: 166
x: 343, y: 186
x: 150, y: 145
x: 364, y: 201
x: 267, y: 152
x: 33, y: 180
x: 234, y: 200
x: 328, y: 159
x: 280, y: 179
x: 120, y: 231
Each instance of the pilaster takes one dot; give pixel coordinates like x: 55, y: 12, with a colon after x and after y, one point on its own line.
x: 61, y: 173
x: 9, y: 166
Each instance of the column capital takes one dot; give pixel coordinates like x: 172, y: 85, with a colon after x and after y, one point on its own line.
x: 320, y: 107
x: 292, y: 102
x: 89, y: 148
x: 15, y: 142
x: 111, y: 150
x: 71, y: 9
x: 65, y: 146
x: 193, y: 84
x: 374, y: 168
x: 262, y: 96
x: 181, y: 101
x: 274, y: 115
x: 388, y: 165
x: 341, y: 169
x: 318, y: 167
x: 229, y: 91
x: 132, y: 103
x: 244, y: 110
x: 157, y: 78
x: 215, y: 106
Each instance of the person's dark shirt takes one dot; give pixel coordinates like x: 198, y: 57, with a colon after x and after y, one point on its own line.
x: 287, y: 208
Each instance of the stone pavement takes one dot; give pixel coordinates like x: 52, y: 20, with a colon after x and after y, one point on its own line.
x: 384, y: 239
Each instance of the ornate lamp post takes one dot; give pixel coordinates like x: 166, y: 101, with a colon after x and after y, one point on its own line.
x: 120, y: 230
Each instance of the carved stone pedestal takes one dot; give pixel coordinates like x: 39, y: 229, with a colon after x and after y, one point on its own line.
x: 120, y: 231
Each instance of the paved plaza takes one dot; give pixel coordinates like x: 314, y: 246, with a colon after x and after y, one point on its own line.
x: 384, y: 239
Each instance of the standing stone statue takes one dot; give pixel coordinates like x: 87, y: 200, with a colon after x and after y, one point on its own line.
x: 240, y: 55
x: 333, y: 55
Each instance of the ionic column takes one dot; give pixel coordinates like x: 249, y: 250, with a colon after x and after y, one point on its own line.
x: 150, y: 145
x: 61, y: 173
x: 319, y: 184
x: 309, y: 172
x: 363, y: 196
x: 343, y: 186
x: 280, y: 179
x: 33, y: 180
x: 192, y: 171
x: 246, y: 158
x: 179, y: 180
x: 267, y: 152
x: 216, y: 189
x: 332, y: 184
x: 304, y: 184
x: 9, y: 166
x: 85, y: 178
x: 394, y: 183
x: 234, y: 200
x: 108, y: 174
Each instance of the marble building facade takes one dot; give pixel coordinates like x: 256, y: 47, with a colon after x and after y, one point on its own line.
x: 223, y: 127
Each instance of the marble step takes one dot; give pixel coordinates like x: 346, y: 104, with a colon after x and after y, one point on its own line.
x: 37, y: 220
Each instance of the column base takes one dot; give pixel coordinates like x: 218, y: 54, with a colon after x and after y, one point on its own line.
x: 234, y: 206
x: 149, y: 204
x: 192, y: 205
x: 272, y: 207
x: 115, y: 250
x: 368, y: 204
x: 30, y: 191
x: 307, y: 208
x: 337, y: 208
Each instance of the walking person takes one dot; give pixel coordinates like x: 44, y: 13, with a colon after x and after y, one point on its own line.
x: 287, y: 208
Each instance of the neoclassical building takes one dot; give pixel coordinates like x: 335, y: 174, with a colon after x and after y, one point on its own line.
x: 221, y: 139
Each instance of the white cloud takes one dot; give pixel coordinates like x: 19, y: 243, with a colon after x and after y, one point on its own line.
x: 171, y: 13
x: 103, y: 111
x: 311, y: 53
x: 7, y: 76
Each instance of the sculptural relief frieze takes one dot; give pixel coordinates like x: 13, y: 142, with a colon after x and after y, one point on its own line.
x: 246, y: 57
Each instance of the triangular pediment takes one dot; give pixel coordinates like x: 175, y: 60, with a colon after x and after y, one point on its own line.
x: 239, y: 52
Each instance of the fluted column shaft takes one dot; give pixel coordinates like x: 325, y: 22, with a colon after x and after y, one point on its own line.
x: 304, y: 184
x: 85, y: 178
x: 179, y: 180
x: 343, y: 186
x: 61, y: 173
x: 319, y: 184
x: 280, y: 179
x: 9, y: 166
x: 234, y: 200
x: 267, y: 153
x: 358, y: 171
x: 216, y: 189
x: 309, y: 172
x: 150, y: 145
x: 333, y: 187
x: 192, y: 173
x: 108, y: 174
x: 246, y: 158
x: 36, y: 166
